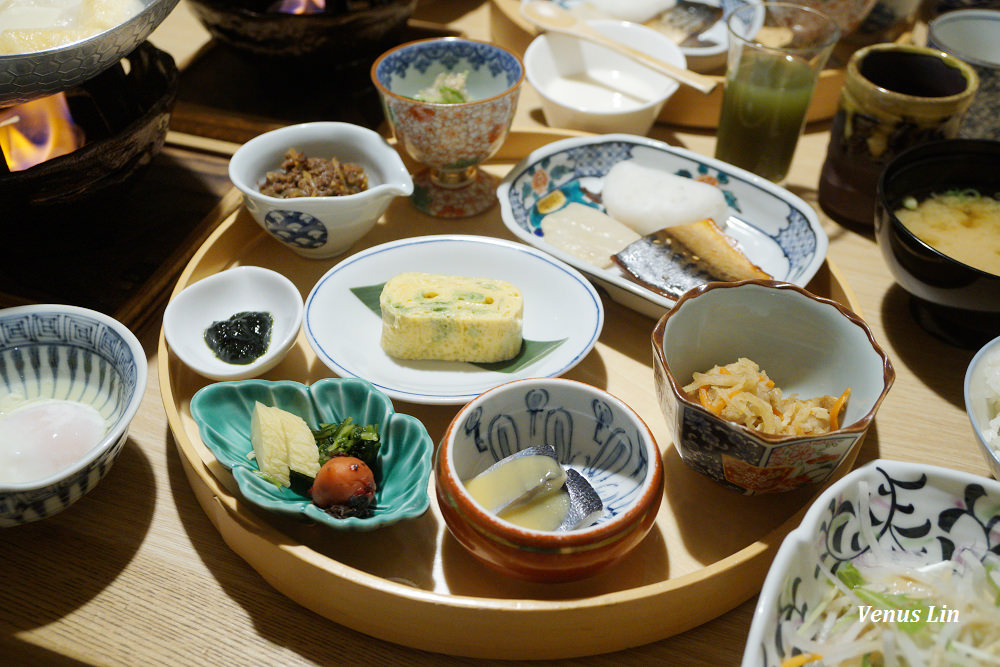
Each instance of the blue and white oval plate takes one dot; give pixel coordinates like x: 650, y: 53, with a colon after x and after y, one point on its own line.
x: 778, y: 231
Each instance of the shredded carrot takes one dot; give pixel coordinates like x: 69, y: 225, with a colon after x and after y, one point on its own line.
x: 703, y: 398
x: 801, y: 659
x: 835, y: 409
x: 743, y: 393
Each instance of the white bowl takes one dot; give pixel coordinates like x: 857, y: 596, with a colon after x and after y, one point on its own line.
x: 69, y: 353
x: 320, y: 227
x: 924, y: 511
x: 982, y: 396
x: 585, y: 86
x: 219, y: 297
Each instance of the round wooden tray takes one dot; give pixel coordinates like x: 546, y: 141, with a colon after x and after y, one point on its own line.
x: 412, y: 583
x: 687, y: 106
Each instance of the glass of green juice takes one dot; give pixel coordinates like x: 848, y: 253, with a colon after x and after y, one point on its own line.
x: 776, y: 53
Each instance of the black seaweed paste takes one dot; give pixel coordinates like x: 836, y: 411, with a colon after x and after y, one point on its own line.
x: 242, y: 338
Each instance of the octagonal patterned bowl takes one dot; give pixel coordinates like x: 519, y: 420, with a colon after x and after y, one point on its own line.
x: 808, y: 345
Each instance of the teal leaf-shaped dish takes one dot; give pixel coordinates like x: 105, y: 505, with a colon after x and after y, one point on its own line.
x: 223, y: 411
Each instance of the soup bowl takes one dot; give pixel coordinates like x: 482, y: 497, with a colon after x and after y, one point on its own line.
x: 953, y: 300
x: 593, y: 433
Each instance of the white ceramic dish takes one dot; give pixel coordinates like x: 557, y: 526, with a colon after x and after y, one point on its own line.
x: 926, y: 511
x: 710, y: 52
x: 220, y: 296
x: 320, y: 227
x: 979, y: 398
x: 584, y: 86
x: 777, y: 230
x: 559, y: 303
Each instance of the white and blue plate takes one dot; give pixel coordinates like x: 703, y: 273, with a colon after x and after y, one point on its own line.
x: 778, y: 231
x: 561, y: 307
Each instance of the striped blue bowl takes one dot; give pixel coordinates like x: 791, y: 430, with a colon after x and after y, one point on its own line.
x: 69, y: 353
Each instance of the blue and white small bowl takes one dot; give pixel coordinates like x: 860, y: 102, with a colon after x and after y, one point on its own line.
x: 927, y: 512
x: 320, y: 227
x: 69, y: 353
x: 777, y: 230
x: 592, y: 432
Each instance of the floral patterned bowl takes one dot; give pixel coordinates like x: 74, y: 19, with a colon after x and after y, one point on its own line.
x: 223, y: 411
x: 69, y: 353
x: 808, y: 346
x: 931, y: 514
x: 451, y: 140
x: 593, y: 433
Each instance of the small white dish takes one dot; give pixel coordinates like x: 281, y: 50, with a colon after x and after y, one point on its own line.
x: 778, y: 231
x: 707, y: 54
x: 559, y: 305
x: 320, y: 227
x: 219, y: 297
x: 585, y: 86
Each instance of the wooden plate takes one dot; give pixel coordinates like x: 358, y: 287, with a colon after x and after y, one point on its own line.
x: 687, y: 106
x: 412, y: 583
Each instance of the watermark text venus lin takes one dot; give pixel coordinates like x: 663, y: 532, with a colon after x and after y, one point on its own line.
x: 929, y: 614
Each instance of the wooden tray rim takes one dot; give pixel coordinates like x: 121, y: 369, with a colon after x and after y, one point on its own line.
x: 267, y: 550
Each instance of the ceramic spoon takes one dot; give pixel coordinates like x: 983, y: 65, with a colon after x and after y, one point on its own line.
x: 554, y: 18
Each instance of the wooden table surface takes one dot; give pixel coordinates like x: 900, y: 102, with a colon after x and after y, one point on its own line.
x: 136, y: 574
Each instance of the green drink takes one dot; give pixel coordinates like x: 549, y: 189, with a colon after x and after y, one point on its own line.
x: 776, y: 52
x: 763, y: 110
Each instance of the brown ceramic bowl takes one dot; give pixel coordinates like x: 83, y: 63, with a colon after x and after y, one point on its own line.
x: 807, y: 345
x: 592, y: 432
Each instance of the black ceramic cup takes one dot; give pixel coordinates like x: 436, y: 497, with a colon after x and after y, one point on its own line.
x: 955, y: 301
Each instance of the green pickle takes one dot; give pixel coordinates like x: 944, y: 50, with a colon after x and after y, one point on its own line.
x: 241, y: 339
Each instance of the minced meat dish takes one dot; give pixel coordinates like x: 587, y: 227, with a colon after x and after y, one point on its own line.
x: 302, y: 176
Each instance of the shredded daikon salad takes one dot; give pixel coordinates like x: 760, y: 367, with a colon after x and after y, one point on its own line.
x: 741, y: 392
x: 892, y: 608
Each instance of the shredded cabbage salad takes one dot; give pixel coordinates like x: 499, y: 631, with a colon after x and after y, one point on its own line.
x: 892, y: 608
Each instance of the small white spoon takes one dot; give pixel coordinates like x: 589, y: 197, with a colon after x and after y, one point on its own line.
x: 554, y: 18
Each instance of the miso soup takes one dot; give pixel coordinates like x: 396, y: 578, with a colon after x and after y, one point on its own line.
x: 962, y: 224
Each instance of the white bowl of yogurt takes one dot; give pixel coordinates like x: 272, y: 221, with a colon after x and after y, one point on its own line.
x: 585, y: 86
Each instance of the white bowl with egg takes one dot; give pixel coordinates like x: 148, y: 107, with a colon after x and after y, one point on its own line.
x: 222, y: 295
x: 585, y: 86
x: 71, y: 380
